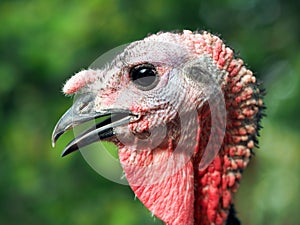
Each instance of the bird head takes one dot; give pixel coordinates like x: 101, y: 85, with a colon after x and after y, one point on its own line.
x: 170, y: 102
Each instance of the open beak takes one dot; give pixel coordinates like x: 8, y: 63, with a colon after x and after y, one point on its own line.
x: 100, y: 131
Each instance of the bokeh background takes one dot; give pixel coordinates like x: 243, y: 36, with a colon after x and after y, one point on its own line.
x: 42, y: 43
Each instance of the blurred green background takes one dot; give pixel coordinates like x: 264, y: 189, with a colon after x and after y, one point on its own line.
x: 42, y: 43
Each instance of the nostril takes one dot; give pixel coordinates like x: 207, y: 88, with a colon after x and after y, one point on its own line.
x: 83, y: 105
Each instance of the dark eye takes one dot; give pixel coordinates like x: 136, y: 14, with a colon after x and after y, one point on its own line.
x: 144, y: 76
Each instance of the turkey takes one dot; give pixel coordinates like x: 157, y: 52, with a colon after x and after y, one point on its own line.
x: 184, y: 113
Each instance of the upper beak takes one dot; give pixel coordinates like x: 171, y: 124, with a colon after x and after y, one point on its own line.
x: 100, y: 131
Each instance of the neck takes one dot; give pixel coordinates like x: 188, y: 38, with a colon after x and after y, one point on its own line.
x: 189, y: 196
x: 162, y: 180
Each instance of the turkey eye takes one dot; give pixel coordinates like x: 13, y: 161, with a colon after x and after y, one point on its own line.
x: 144, y: 76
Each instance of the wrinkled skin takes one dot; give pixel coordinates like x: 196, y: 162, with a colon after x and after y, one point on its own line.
x: 184, y: 114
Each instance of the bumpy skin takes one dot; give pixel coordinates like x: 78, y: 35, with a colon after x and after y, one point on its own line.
x: 173, y: 186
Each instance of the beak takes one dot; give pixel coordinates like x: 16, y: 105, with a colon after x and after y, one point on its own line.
x: 101, y: 131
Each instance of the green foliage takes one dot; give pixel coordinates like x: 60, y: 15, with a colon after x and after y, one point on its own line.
x: 43, y: 42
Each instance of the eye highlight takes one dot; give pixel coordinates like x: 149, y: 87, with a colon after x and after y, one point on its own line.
x: 144, y: 76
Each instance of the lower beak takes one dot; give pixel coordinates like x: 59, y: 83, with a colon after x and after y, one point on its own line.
x: 101, y: 131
